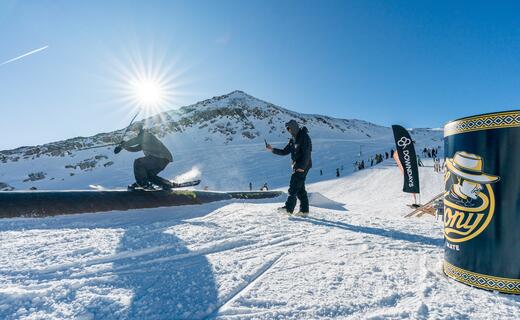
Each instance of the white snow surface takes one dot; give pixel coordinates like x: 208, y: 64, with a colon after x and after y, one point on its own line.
x: 354, y: 257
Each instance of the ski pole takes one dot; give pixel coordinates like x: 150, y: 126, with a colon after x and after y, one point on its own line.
x: 126, y: 129
x: 113, y: 144
x: 95, y: 147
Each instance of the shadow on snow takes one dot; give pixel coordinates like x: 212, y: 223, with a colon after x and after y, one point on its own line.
x: 163, y: 278
x: 393, y: 234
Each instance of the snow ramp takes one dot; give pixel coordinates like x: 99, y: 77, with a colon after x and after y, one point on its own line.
x: 51, y: 203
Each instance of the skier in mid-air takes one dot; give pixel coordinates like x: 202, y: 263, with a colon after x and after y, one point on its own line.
x: 300, y: 148
x: 156, y: 158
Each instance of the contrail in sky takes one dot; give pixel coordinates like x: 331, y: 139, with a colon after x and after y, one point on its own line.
x: 23, y: 55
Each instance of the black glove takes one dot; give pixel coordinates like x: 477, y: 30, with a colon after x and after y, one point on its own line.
x: 118, y: 149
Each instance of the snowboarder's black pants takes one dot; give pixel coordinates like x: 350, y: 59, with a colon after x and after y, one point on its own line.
x: 297, y: 190
x: 147, y: 168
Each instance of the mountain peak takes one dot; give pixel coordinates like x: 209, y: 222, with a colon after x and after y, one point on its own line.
x: 236, y: 98
x: 237, y: 94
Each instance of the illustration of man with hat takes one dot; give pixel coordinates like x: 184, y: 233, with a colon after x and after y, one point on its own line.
x: 469, y: 180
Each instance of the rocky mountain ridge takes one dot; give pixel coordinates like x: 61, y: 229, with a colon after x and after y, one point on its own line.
x: 226, y: 115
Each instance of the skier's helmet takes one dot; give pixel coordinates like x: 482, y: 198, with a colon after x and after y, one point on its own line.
x: 139, y: 126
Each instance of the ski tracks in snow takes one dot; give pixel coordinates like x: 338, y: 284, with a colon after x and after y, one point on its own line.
x: 243, y: 260
x: 224, y: 307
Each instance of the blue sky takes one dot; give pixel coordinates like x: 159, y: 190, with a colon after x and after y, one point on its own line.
x: 419, y: 64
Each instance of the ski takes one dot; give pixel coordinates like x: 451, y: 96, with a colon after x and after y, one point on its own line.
x: 174, y: 185
x: 186, y: 184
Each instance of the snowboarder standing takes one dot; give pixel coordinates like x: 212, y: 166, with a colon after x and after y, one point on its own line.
x: 156, y: 158
x: 300, y: 148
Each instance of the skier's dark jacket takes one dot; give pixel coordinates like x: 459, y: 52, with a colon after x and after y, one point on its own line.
x: 149, y: 144
x: 300, y: 149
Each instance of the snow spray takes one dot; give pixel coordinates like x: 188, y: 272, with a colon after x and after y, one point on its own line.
x: 193, y: 174
x: 481, y: 201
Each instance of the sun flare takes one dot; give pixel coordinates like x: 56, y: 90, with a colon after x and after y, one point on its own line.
x: 149, y: 93
x: 148, y: 83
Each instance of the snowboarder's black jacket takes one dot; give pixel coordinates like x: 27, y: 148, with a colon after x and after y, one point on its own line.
x: 300, y: 149
x: 149, y: 144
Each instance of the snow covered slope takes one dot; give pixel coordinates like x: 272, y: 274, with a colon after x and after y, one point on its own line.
x: 222, y: 137
x: 243, y: 260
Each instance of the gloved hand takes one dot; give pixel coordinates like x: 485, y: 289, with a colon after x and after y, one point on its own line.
x: 118, y: 149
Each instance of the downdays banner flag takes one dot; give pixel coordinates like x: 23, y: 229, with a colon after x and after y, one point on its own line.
x: 407, y: 159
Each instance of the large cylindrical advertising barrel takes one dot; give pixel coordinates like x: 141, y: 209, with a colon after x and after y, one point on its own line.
x: 482, y: 201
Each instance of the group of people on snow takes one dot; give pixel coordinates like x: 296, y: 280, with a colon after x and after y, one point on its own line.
x: 264, y: 187
x: 373, y: 160
x: 430, y: 152
x: 337, y: 172
x: 433, y: 154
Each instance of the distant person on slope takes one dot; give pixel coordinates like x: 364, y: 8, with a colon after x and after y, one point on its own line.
x: 419, y: 162
x: 300, y: 148
x: 156, y: 158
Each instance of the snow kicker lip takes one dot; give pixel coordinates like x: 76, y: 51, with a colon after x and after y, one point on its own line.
x: 52, y: 203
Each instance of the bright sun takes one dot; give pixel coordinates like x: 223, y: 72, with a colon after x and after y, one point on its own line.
x: 148, y: 82
x: 149, y: 93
